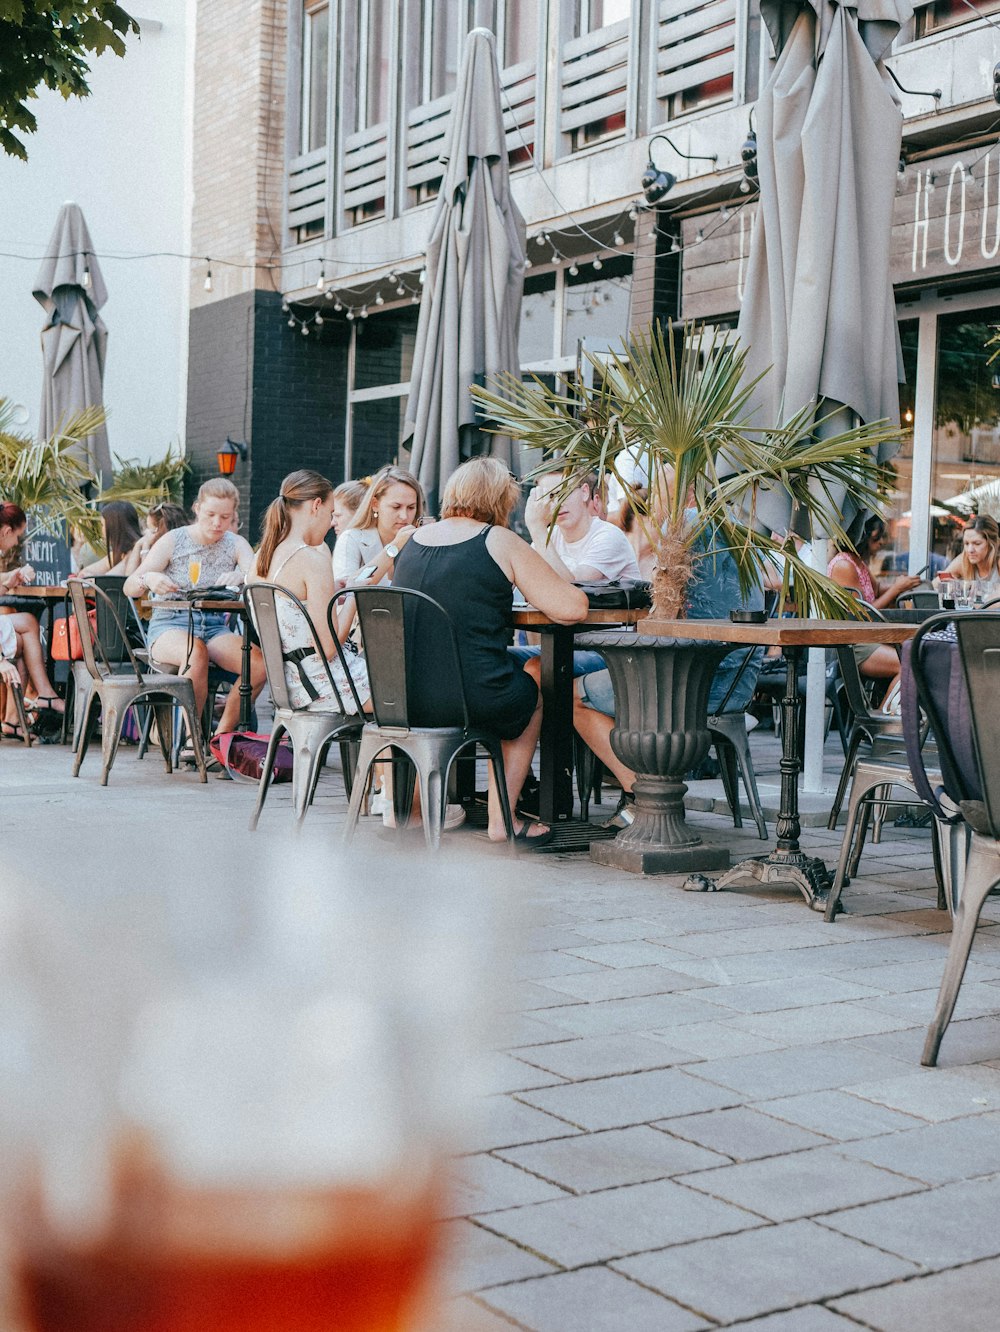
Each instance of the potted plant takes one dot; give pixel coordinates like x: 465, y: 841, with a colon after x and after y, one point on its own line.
x: 674, y: 405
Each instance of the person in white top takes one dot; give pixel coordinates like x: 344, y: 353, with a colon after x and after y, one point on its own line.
x: 581, y: 547
x: 383, y: 523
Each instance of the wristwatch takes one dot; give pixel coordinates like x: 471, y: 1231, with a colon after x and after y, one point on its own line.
x: 392, y: 550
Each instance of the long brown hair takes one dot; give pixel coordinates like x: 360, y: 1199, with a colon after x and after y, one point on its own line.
x: 367, y: 514
x: 121, y: 529
x: 297, y: 488
x: 989, y: 530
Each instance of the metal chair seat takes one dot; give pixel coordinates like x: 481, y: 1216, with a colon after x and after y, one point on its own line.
x: 310, y: 727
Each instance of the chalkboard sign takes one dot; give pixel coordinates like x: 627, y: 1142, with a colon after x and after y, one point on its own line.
x: 47, y: 552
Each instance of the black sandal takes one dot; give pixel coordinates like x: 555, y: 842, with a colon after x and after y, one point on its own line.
x: 539, y: 840
x: 11, y: 731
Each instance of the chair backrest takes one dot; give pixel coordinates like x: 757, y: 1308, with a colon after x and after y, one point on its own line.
x: 125, y: 615
x: 262, y: 601
x: 951, y: 670
x: 920, y: 599
x: 390, y: 619
x: 95, y: 658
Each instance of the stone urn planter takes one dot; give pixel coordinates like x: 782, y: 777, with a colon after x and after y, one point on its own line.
x: 661, y: 706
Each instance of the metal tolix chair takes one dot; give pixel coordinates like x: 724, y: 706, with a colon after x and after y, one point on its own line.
x: 115, y: 692
x: 386, y: 614
x: 313, y: 726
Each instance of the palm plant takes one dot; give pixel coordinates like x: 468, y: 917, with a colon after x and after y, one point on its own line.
x: 47, y: 477
x: 675, y: 405
x: 149, y: 483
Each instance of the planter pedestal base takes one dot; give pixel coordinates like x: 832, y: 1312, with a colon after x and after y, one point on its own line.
x: 668, y: 860
x: 659, y: 841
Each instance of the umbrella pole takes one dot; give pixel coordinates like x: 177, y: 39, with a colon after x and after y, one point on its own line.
x: 815, y: 732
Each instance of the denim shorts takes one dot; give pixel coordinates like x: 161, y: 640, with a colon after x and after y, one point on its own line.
x: 205, y: 625
x: 584, y: 662
x: 597, y: 692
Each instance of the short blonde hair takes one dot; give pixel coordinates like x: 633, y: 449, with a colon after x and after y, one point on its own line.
x: 483, y: 489
x: 217, y: 487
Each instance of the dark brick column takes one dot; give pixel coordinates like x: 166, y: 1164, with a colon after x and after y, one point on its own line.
x: 252, y: 377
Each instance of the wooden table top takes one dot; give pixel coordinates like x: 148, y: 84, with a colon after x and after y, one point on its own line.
x: 39, y: 590
x: 529, y: 618
x: 784, y: 633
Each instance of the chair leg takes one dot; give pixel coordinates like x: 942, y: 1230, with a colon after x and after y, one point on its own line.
x: 368, y: 752
x: 265, y: 775
x: 856, y: 806
x: 982, y: 874
x: 145, y: 731
x: 859, y: 841
x: 585, y: 762
x: 349, y: 763
x: 89, y: 723
x: 880, y: 811
x: 727, y: 772
x: 305, y: 774
x: 112, y: 721
x: 850, y: 762
x: 164, y: 714
x: 81, y: 697
x: 745, y: 762
x: 22, y: 715
x: 194, y: 730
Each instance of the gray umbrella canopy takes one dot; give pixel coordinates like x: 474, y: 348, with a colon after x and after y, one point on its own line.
x: 70, y: 289
x: 471, y: 308
x: 819, y: 306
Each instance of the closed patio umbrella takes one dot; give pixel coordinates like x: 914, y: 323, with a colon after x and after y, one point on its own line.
x: 70, y: 288
x: 819, y: 304
x: 468, y: 326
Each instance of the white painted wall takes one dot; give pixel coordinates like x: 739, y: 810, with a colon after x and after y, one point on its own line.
x: 123, y: 155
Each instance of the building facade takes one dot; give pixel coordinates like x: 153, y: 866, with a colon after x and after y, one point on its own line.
x: 317, y: 165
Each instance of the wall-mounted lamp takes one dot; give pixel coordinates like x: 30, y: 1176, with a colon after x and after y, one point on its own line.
x: 656, y: 184
x: 226, y: 456
x: 936, y: 93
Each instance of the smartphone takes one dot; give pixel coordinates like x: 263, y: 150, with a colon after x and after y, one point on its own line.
x: 363, y: 575
x: 920, y: 572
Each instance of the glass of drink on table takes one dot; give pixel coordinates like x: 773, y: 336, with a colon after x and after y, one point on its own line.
x: 227, y: 1101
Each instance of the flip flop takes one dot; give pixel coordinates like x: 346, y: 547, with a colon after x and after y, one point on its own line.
x: 11, y: 731
x: 539, y: 840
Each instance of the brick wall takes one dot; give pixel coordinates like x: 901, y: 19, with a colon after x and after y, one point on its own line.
x: 254, y: 378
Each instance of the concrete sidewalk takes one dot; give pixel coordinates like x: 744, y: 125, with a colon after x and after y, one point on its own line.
x: 710, y: 1110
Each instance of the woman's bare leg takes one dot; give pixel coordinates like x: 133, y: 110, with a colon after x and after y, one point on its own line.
x: 227, y: 651
x: 517, y: 756
x: 30, y: 650
x: 594, y: 728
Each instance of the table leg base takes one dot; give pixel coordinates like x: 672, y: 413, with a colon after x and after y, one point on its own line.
x: 788, y: 868
x: 638, y: 859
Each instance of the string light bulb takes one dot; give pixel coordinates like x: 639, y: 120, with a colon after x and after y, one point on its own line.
x: 379, y: 298
x: 400, y: 290
x: 85, y: 279
x: 319, y: 320
x: 305, y: 330
x: 321, y: 280
x: 744, y: 186
x: 633, y: 213
x: 573, y: 270
x: 598, y: 265
x: 291, y: 322
x: 422, y: 278
x: 329, y: 294
x: 208, y: 276
x: 619, y: 239
x: 364, y: 312
x: 700, y: 236
x: 285, y: 307
x: 350, y: 314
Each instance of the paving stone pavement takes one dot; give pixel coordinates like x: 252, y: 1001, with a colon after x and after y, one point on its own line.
x: 708, y: 1110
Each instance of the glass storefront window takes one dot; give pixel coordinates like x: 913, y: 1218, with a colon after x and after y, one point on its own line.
x: 375, y: 34
x: 536, y: 341
x: 315, y: 57
x: 385, y: 349
x: 376, y: 432
x: 966, y: 466
x: 597, y: 305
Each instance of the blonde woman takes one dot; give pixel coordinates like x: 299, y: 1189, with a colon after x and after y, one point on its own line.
x: 980, y: 551
x: 469, y: 562
x: 385, y: 520
x: 206, y: 553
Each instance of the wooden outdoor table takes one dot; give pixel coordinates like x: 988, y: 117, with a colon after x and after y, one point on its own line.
x: 786, y: 863
x: 556, y: 761
x: 230, y: 607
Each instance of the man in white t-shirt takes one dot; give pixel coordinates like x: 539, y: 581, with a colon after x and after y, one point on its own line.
x: 582, y: 547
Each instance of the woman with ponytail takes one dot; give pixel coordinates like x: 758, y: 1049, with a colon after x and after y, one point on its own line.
x: 293, y: 554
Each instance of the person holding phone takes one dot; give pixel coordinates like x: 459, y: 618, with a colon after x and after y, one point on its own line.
x: 385, y: 520
x: 850, y: 568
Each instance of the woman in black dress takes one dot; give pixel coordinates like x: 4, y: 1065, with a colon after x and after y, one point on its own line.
x: 470, y: 562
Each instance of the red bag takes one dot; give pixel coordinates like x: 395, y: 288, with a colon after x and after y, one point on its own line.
x: 242, y: 754
x: 66, y: 645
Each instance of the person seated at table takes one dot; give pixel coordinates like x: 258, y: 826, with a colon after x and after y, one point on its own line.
x: 392, y: 507
x: 469, y: 562
x: 713, y: 591
x: 161, y: 519
x: 347, y: 499
x: 122, y: 534
x: 980, y: 557
x: 581, y: 547
x: 293, y: 554
x: 849, y: 568
x: 207, y: 553
x: 20, y: 629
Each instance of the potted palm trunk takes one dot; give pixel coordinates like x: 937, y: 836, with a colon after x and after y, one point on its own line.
x: 671, y: 408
